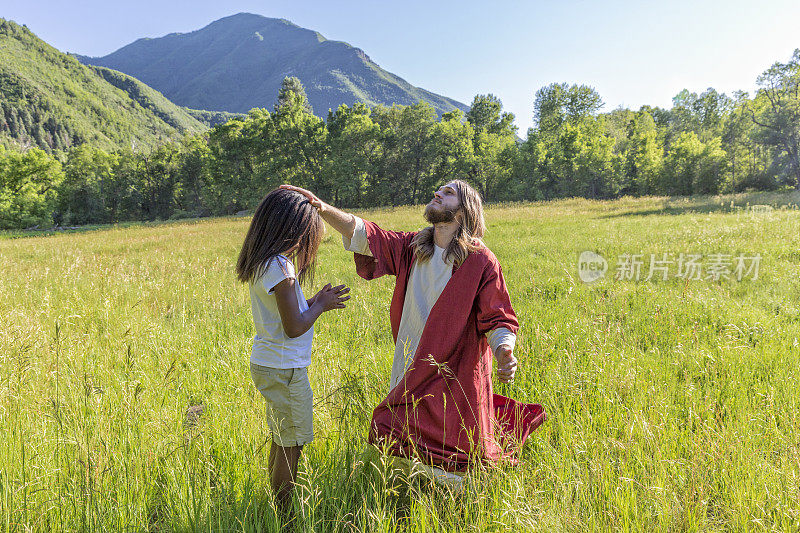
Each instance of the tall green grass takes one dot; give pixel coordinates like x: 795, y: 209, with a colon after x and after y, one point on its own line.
x: 672, y: 405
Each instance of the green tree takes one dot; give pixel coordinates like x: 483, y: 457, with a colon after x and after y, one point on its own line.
x: 295, y: 149
x: 704, y: 114
x: 159, y: 174
x: 416, y: 155
x: 749, y: 159
x: 292, y: 92
x: 694, y: 167
x: 776, y: 110
x: 124, y: 193
x: 568, y: 152
x: 195, y: 157
x: 644, y: 156
x: 356, y: 148
x: 387, y: 176
x: 88, y: 174
x: 28, y: 183
x: 584, y: 160
x: 233, y: 176
x: 453, y: 142
x: 486, y: 115
x: 493, y: 144
x: 560, y: 102
x: 531, y: 174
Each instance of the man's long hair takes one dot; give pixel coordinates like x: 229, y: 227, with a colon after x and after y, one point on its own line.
x: 282, y: 220
x: 470, y: 230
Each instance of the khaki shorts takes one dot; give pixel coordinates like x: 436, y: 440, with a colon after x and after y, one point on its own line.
x: 290, y: 403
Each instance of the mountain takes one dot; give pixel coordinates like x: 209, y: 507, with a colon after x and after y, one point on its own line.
x: 49, y: 99
x: 212, y: 118
x: 238, y: 62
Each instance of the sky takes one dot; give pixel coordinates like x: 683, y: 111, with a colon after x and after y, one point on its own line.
x: 632, y: 52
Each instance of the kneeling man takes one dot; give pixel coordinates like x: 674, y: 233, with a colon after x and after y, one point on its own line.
x: 450, y: 311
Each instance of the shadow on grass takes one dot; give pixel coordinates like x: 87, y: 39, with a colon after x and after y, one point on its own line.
x: 357, y: 491
x: 347, y: 494
x: 672, y: 205
x: 726, y: 204
x: 88, y: 228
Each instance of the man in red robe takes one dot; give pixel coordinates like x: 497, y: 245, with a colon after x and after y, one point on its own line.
x: 450, y: 311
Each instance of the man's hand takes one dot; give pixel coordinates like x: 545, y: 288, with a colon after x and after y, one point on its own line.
x: 312, y: 198
x: 506, y: 363
x: 344, y: 223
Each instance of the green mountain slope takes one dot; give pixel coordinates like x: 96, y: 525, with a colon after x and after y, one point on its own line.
x: 49, y: 99
x: 212, y: 118
x: 239, y: 62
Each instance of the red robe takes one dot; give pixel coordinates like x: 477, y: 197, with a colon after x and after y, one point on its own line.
x: 443, y: 410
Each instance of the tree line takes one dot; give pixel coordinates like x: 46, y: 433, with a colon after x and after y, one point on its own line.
x: 359, y: 156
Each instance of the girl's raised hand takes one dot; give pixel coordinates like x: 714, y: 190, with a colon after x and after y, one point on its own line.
x: 332, y: 297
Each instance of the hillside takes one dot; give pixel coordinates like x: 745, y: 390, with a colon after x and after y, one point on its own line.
x: 238, y: 62
x: 212, y: 118
x: 49, y: 99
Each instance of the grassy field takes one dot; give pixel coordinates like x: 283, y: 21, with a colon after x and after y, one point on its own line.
x: 673, y: 405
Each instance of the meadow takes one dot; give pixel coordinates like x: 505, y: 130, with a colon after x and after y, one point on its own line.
x: 672, y: 404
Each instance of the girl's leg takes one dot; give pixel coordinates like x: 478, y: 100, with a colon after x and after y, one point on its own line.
x: 283, y: 470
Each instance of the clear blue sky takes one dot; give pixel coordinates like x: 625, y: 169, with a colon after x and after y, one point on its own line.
x: 632, y: 52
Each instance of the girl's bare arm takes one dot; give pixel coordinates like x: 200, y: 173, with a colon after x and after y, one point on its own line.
x: 296, y: 322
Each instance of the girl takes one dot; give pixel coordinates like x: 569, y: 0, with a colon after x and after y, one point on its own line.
x: 278, y: 255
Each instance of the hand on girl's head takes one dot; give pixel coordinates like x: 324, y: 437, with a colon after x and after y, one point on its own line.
x: 332, y: 297
x: 312, y: 198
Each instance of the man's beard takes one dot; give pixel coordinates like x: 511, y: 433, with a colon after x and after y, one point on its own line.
x: 435, y: 216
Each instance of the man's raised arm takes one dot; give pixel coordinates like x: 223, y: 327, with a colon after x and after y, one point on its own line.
x: 344, y: 223
x: 377, y: 252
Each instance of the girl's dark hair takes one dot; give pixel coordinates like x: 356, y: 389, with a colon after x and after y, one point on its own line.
x: 282, y: 220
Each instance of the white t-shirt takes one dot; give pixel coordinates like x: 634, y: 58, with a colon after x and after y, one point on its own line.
x: 271, y: 346
x: 425, y: 284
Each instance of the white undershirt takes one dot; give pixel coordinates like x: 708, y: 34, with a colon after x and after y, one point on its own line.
x: 425, y: 284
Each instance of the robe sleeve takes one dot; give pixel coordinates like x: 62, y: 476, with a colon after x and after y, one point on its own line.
x: 387, y: 249
x: 499, y: 336
x: 493, y: 301
x: 358, y: 241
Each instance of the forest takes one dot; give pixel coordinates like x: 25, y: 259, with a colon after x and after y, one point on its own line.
x: 364, y: 156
